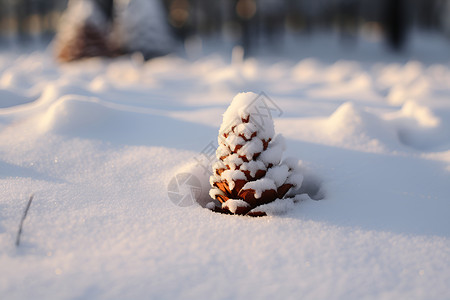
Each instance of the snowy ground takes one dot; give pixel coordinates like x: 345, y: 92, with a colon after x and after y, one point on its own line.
x: 97, y: 142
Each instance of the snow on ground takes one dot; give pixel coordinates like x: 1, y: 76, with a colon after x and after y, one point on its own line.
x: 98, y: 141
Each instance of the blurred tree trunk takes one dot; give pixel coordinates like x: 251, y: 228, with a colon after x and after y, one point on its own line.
x: 395, y: 23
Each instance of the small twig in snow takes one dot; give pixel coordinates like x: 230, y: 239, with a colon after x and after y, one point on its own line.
x: 25, y: 212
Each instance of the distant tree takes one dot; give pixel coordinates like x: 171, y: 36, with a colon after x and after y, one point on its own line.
x: 395, y: 23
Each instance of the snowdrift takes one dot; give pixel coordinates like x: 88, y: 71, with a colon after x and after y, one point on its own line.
x: 97, y: 143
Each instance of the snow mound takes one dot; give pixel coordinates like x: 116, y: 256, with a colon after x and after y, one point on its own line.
x: 421, y: 114
x: 197, y: 169
x: 71, y: 113
x: 308, y: 70
x: 420, y: 127
x: 15, y: 79
x: 350, y: 126
x: 93, y: 118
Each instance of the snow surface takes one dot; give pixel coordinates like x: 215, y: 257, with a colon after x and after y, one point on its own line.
x: 98, y: 141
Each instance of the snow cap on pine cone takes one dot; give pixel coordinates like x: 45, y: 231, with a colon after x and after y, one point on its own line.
x: 249, y: 174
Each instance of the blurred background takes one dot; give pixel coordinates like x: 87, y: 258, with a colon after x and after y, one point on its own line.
x: 256, y: 25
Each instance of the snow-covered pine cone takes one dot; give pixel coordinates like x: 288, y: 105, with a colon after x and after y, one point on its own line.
x: 249, y: 171
x: 84, y: 32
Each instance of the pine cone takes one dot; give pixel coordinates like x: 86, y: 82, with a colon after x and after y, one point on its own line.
x: 84, y: 32
x: 249, y: 171
x: 87, y: 42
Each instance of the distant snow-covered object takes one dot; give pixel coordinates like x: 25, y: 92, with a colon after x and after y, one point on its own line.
x: 83, y: 32
x: 88, y: 29
x: 141, y: 25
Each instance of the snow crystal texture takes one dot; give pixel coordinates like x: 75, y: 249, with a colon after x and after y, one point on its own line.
x: 98, y: 141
